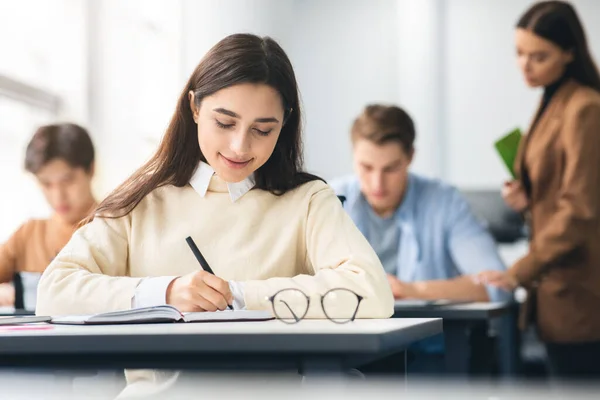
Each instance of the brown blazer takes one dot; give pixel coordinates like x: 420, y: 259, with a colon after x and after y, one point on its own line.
x: 562, y: 268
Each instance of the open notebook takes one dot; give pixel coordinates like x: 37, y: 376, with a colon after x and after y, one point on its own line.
x: 164, y: 313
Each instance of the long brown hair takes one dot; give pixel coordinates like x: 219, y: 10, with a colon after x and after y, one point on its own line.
x: 239, y: 58
x: 557, y: 21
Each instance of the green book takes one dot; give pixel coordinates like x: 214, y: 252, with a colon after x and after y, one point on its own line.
x: 507, y: 147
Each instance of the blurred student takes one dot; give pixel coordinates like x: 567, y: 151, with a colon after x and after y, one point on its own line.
x: 422, y: 229
x: 61, y: 157
x: 558, y: 190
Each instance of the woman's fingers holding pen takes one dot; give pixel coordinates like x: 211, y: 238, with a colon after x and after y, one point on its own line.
x: 209, y: 289
x: 196, y: 292
x: 220, y: 285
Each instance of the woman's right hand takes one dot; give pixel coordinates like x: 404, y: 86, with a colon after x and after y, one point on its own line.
x: 514, y: 196
x: 199, y: 291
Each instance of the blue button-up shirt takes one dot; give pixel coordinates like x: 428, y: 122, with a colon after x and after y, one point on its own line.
x: 440, y: 238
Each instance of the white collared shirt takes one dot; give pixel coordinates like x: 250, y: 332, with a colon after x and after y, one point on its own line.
x: 153, y: 291
x: 204, y: 173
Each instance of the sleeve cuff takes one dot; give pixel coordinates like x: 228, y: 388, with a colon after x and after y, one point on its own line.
x: 152, y: 292
x: 255, y: 295
x: 526, y: 270
x: 237, y: 289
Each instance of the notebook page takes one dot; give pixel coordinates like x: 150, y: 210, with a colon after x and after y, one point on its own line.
x: 228, y: 315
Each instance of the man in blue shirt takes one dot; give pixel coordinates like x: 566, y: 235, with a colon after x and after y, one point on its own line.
x: 428, y: 240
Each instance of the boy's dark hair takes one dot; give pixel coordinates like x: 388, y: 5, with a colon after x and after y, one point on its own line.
x: 69, y: 142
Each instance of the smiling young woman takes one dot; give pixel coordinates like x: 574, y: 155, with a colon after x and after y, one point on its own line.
x: 228, y: 173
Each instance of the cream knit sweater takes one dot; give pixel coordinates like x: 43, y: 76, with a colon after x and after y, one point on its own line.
x: 303, y: 239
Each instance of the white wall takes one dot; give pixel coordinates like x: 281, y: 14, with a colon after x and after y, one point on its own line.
x: 43, y: 45
x: 450, y: 63
x: 136, y: 57
x: 208, y: 21
x: 345, y: 56
x: 419, y: 77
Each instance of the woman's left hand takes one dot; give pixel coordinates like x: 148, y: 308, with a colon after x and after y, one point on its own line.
x: 501, y: 279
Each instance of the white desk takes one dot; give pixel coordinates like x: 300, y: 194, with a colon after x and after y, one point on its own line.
x: 315, y: 345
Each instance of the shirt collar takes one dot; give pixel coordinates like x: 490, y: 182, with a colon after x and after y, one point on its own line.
x: 405, y: 211
x: 203, y: 175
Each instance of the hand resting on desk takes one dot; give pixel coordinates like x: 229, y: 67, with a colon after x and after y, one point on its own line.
x: 461, y: 288
x: 501, y: 279
x: 199, y: 291
x: 400, y: 289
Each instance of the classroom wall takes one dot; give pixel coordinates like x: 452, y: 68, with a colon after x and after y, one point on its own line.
x: 450, y: 63
x: 29, y: 53
x: 120, y: 67
x: 345, y: 56
x: 136, y: 62
x: 44, y: 44
x: 352, y: 53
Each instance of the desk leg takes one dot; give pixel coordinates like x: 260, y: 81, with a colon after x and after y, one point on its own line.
x: 456, y: 339
x: 508, y: 344
x: 405, y: 354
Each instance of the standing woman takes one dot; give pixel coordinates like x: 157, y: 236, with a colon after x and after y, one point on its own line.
x: 558, y: 189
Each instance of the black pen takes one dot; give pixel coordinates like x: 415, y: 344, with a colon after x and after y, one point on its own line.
x: 201, y: 259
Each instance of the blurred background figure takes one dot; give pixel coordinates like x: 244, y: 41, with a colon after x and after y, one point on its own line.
x: 422, y: 229
x: 61, y: 157
x: 559, y: 191
x: 429, y: 241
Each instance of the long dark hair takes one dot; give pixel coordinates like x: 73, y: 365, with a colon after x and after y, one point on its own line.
x: 557, y: 21
x: 239, y: 58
